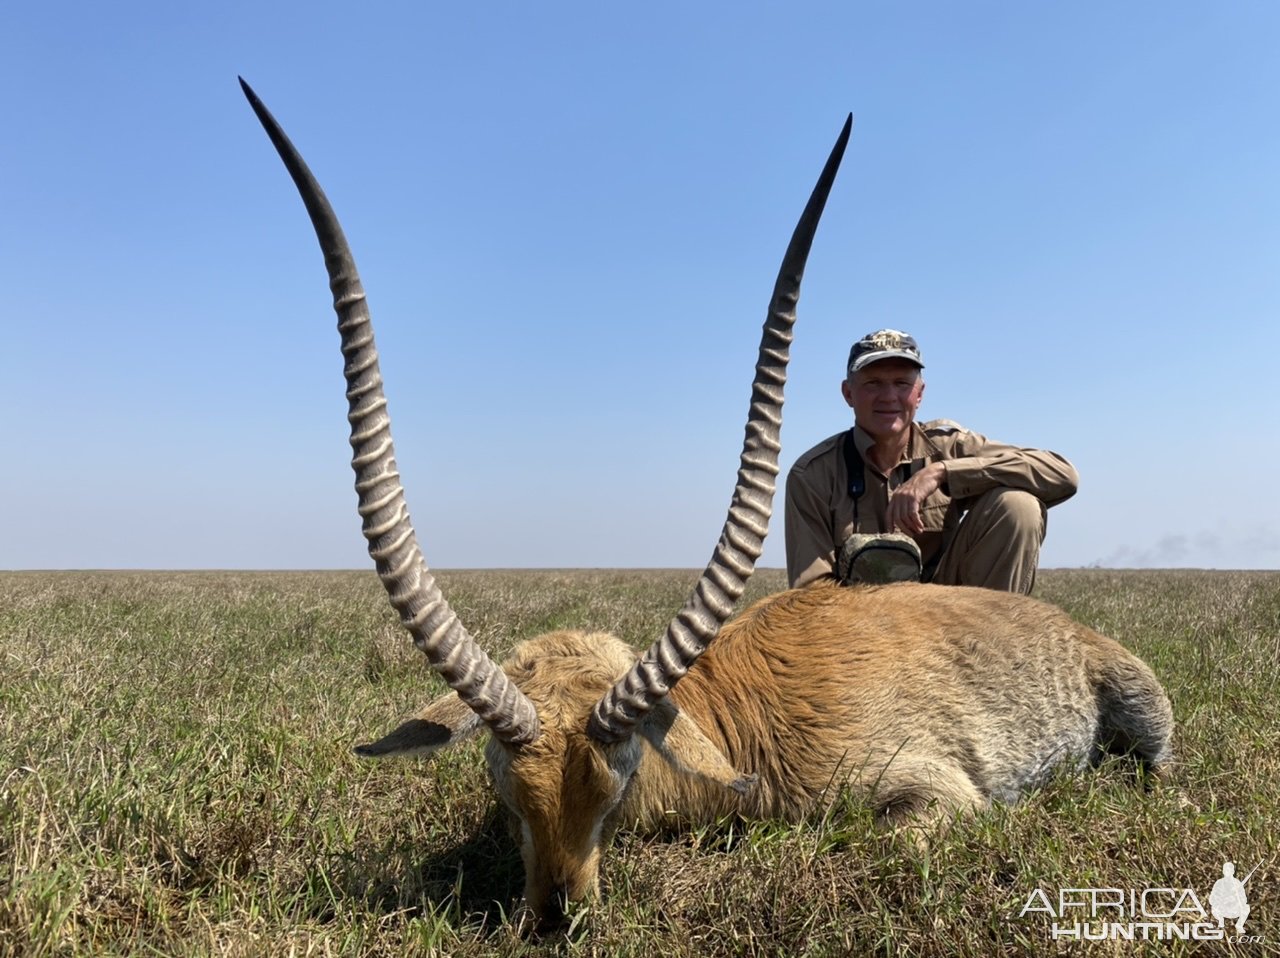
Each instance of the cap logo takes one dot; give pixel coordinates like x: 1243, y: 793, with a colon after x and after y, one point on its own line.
x: 883, y: 344
x: 886, y: 339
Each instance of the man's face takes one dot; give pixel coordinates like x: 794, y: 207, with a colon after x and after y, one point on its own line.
x: 884, y: 397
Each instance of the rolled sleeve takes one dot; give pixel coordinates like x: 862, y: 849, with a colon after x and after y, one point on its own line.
x: 984, y: 465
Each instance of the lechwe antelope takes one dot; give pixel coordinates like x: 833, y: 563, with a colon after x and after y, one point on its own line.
x: 931, y: 700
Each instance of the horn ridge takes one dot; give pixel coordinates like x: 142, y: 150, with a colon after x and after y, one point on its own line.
x: 693, y: 628
x: 392, y: 543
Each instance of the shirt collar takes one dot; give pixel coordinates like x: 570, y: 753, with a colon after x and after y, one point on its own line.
x: 919, y: 446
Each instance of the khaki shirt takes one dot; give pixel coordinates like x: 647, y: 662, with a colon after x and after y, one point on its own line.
x: 821, y: 514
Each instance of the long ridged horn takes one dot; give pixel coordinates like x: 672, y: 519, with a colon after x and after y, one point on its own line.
x: 423, y: 610
x: 742, y: 540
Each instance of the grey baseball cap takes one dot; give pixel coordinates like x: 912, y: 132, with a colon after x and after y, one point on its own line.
x: 883, y: 344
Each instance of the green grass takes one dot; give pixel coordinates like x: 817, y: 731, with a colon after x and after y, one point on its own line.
x: 176, y: 778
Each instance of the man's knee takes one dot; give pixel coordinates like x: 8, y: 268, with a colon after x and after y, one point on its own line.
x: 997, y: 545
x: 1018, y: 514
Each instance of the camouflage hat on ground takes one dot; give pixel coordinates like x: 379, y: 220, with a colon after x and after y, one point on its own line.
x: 883, y: 344
x: 876, y: 559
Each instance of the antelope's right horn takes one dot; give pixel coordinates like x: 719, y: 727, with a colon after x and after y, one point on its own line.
x: 423, y: 610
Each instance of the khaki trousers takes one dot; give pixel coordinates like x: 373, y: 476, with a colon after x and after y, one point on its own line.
x: 997, y: 544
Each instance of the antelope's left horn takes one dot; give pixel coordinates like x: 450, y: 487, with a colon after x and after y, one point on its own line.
x: 742, y: 540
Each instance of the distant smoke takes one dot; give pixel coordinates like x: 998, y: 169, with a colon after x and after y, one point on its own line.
x: 1229, y: 549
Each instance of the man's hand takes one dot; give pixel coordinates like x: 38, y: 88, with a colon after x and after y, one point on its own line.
x: 903, y: 514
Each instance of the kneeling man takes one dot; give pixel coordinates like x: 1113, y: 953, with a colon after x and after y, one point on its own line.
x: 971, y: 510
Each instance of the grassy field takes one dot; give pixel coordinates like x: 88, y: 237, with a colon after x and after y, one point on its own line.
x: 176, y: 778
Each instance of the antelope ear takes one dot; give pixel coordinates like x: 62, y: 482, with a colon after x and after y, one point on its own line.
x: 679, y: 740
x: 446, y: 721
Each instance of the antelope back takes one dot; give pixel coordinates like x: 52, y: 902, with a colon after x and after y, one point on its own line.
x: 912, y: 683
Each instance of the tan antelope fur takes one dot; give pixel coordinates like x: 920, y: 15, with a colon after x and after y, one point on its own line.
x: 928, y: 700
x: 931, y: 700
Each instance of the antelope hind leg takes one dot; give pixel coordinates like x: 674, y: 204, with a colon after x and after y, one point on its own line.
x: 924, y: 807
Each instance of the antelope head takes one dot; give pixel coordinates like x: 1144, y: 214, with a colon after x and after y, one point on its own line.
x: 564, y: 710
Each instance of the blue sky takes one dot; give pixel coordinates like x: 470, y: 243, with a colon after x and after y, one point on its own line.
x: 568, y: 218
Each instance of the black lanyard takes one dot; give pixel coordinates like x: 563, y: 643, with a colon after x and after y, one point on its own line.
x: 857, y: 470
